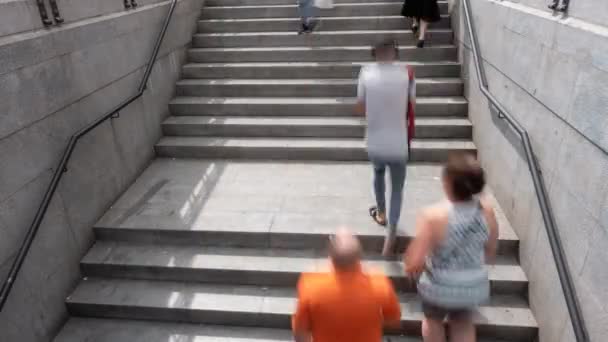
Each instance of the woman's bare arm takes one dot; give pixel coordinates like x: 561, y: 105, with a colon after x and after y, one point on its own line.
x: 492, y: 244
x: 419, y: 249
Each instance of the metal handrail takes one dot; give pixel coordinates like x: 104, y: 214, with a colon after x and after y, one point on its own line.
x: 563, y: 270
x: 62, y: 166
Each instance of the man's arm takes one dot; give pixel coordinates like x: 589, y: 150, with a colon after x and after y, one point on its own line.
x: 360, y: 106
x: 417, y: 251
x: 301, y: 319
x: 391, y: 309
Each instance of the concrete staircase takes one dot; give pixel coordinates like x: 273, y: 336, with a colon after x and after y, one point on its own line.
x: 254, y: 89
x: 210, y: 248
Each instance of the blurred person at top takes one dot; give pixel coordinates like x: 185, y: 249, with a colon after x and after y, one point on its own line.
x: 307, y: 11
x: 387, y: 97
x: 345, y: 304
x: 454, y: 240
x: 421, y: 12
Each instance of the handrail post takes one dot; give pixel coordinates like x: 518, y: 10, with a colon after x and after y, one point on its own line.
x: 563, y: 269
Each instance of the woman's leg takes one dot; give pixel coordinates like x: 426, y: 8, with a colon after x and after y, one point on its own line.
x: 424, y: 25
x: 462, y: 329
x: 433, y: 330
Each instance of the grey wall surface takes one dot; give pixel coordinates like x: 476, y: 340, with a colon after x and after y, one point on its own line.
x: 52, y: 83
x: 552, y: 74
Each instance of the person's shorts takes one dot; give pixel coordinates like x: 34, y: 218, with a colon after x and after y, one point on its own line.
x: 437, y: 313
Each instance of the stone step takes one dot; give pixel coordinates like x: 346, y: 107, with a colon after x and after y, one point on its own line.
x: 306, y: 70
x: 437, y: 53
x: 264, y: 267
x: 262, y: 204
x: 394, y: 22
x: 320, y: 149
x: 303, y: 87
x: 124, y: 330
x: 291, y: 10
x: 212, y: 3
x: 312, y: 127
x: 302, y: 106
x: 243, y: 236
x: 504, y: 317
x: 317, y: 39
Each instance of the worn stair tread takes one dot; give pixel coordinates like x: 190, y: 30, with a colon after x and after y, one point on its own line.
x: 329, y: 37
x: 307, y: 64
x: 192, y: 258
x: 297, y: 20
x: 298, y: 52
x: 341, y: 4
x: 307, y: 48
x: 388, y: 21
x: 307, y: 70
x: 200, y: 100
x: 107, y: 224
x: 318, y: 33
x: 215, y: 3
x: 114, y: 330
x: 300, y: 121
x: 502, y: 311
x: 302, y: 81
x: 306, y: 142
x: 248, y: 10
x: 235, y: 223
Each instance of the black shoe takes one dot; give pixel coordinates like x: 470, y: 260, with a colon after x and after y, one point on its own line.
x: 311, y: 26
x: 553, y: 5
x: 303, y: 29
x: 420, y: 44
x: 415, y: 29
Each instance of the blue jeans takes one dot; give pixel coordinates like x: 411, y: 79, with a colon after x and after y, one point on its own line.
x: 398, y: 173
x: 307, y: 10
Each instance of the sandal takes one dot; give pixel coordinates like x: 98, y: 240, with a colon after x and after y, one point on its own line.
x: 374, y: 213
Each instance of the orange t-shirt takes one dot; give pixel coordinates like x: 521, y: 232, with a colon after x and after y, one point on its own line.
x: 345, y: 307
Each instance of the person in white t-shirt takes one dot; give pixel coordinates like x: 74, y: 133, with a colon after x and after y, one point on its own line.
x: 386, y: 96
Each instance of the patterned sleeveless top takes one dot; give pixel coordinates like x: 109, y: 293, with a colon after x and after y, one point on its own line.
x: 466, y: 236
x: 455, y: 276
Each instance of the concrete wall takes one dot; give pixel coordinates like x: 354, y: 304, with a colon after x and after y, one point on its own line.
x: 552, y: 74
x: 52, y: 83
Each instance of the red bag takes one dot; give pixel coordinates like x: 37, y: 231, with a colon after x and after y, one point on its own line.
x: 411, y: 115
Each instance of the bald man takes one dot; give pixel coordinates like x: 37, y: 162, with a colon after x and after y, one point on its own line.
x: 346, y: 304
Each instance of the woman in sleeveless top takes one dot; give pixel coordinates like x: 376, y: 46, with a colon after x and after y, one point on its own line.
x: 454, y: 240
x: 422, y: 12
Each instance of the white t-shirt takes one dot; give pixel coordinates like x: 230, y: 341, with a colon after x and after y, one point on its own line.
x: 385, y: 88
